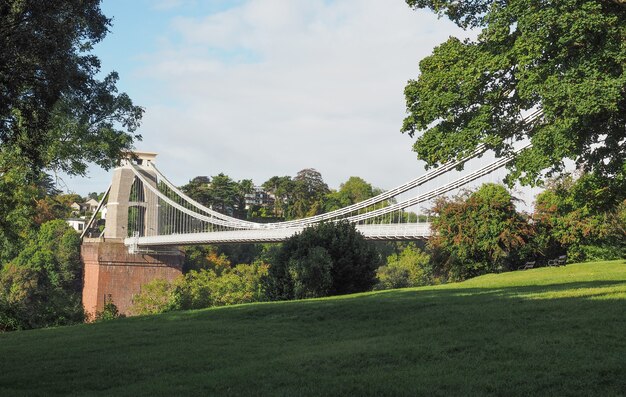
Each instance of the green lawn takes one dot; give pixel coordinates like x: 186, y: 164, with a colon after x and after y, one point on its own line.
x: 550, y: 331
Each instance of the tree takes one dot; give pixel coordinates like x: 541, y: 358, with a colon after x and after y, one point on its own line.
x: 53, y: 110
x: 224, y: 193
x: 354, y: 190
x: 477, y: 233
x: 311, y: 274
x: 199, y: 190
x: 282, y: 187
x: 17, y: 209
x: 564, y: 58
x: 300, y: 265
x: 580, y: 218
x: 54, y: 113
x: 43, y: 285
x: 198, y: 257
x: 309, y: 191
x: 207, y: 287
x: 156, y: 296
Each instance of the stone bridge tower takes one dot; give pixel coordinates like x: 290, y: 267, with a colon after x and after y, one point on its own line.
x: 111, y: 273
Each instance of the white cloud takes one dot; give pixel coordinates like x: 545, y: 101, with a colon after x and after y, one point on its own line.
x: 270, y: 87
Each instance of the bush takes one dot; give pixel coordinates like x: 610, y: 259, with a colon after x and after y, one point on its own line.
x: 203, y: 288
x: 109, y: 312
x: 410, y: 268
x: 299, y: 268
x: 155, y: 297
x: 478, y: 232
x: 581, y: 217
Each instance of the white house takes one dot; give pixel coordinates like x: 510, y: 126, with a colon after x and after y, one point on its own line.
x: 91, y: 205
x: 76, y: 223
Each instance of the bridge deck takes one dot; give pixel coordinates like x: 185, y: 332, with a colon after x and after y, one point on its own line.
x: 403, y: 231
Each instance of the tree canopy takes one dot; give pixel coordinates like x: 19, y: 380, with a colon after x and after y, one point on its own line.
x: 562, y: 58
x: 54, y: 111
x: 42, y: 286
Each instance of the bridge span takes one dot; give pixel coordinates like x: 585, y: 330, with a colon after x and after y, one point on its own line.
x: 148, y: 217
x: 401, y: 231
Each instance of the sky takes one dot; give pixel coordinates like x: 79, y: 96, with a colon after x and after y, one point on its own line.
x: 260, y: 88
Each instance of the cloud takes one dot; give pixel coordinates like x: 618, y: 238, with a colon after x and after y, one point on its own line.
x: 271, y: 87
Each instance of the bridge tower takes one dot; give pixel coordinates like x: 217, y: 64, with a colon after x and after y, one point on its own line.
x: 111, y: 272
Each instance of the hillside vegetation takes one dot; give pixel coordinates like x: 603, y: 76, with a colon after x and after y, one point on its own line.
x: 552, y: 331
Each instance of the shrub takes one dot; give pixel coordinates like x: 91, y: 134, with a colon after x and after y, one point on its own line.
x: 410, y: 268
x: 477, y: 233
x: 155, y: 297
x: 352, y: 266
x: 109, y: 312
x: 205, y: 288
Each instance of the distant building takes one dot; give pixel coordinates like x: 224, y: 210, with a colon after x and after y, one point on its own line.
x: 76, y: 208
x: 91, y: 205
x: 82, y: 208
x: 259, y: 197
x: 77, y: 223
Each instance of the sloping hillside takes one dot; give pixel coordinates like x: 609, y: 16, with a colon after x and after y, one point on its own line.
x: 556, y: 331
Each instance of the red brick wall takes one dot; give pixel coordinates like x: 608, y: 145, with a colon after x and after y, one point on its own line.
x: 111, y: 272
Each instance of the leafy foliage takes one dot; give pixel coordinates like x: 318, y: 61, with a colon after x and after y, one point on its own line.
x: 43, y: 285
x: 55, y: 114
x: 155, y: 297
x: 409, y: 268
x: 50, y: 95
x: 220, y: 192
x: 282, y: 187
x: 353, y: 263
x: 580, y: 217
x: 206, y: 287
x: 311, y: 274
x: 17, y: 206
x: 204, y: 257
x: 564, y: 58
x: 309, y: 191
x: 109, y: 312
x: 477, y: 233
x: 353, y: 191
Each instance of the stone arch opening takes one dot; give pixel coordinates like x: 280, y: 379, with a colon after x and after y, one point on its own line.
x: 137, y: 209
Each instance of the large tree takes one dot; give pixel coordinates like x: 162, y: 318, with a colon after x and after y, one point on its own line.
x: 54, y: 112
x: 564, y: 59
x: 477, y: 232
x: 309, y: 191
x: 353, y: 191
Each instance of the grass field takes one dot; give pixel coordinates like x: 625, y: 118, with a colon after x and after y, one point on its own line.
x: 549, y: 331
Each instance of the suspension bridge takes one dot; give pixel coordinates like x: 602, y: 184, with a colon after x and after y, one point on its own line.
x: 146, y: 210
x: 148, y: 217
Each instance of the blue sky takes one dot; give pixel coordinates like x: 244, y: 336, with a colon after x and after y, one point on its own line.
x: 269, y: 87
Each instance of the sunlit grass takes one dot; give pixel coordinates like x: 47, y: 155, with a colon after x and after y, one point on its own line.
x: 547, y: 331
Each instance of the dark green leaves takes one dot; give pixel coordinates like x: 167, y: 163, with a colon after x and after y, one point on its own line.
x: 564, y: 58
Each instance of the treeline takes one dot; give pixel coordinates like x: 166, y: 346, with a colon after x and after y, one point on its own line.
x: 306, y: 194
